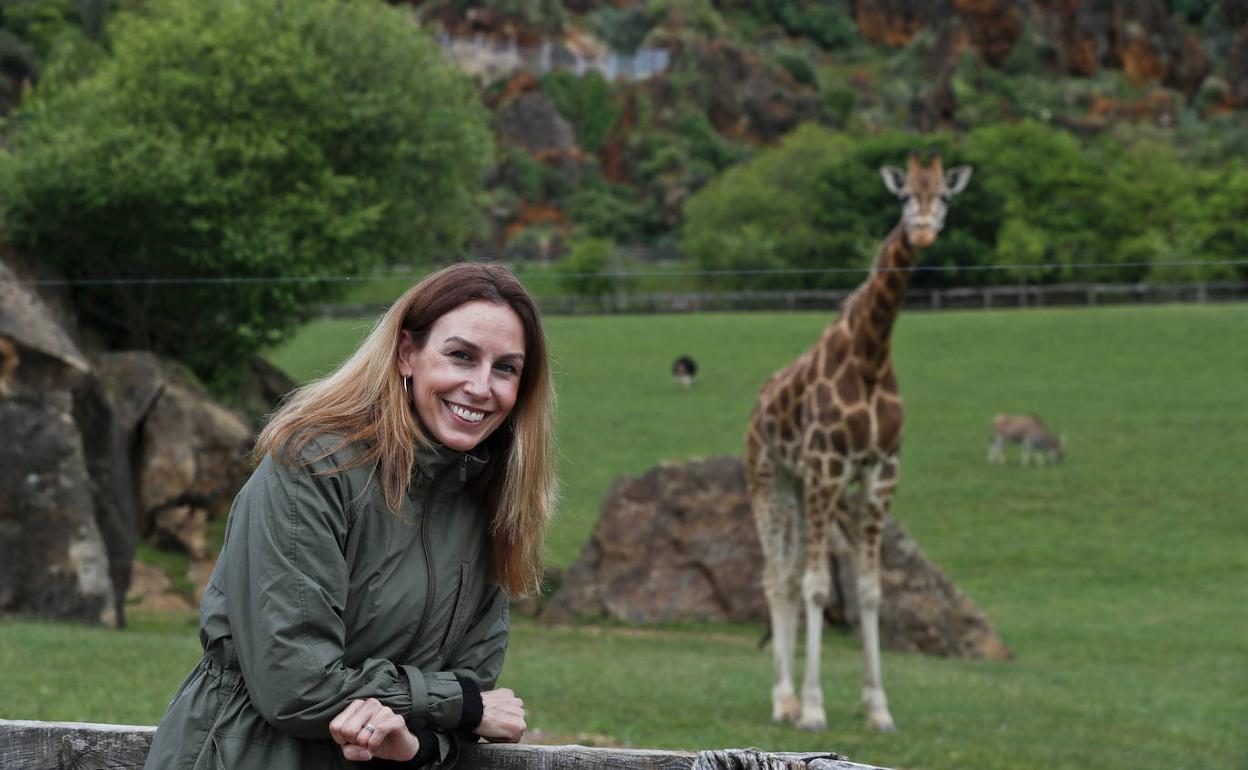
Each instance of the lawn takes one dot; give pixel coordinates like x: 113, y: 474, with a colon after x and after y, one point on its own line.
x: 1118, y: 578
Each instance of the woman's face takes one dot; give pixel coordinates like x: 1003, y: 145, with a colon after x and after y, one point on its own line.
x: 466, y: 378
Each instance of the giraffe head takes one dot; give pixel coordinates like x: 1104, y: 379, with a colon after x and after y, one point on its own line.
x: 924, y: 189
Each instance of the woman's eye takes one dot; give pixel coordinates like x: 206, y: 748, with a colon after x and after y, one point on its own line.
x: 462, y: 355
x: 507, y: 368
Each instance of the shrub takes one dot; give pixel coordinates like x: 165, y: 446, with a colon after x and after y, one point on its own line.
x: 587, y: 104
x: 253, y: 143
x: 586, y: 269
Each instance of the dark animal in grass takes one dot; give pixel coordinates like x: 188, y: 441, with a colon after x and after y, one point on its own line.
x: 685, y: 370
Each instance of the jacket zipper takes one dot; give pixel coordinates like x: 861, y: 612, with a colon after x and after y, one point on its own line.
x: 430, y: 577
x: 426, y: 514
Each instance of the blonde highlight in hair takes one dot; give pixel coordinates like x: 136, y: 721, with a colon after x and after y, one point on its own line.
x: 364, y: 403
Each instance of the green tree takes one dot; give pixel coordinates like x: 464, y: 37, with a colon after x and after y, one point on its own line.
x: 586, y: 270
x: 1224, y: 235
x: 817, y: 203
x: 1051, y: 195
x: 246, y: 150
x: 587, y: 104
x: 761, y: 215
x: 857, y: 212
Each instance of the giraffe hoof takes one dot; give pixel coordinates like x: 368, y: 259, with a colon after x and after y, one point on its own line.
x: 784, y: 710
x: 813, y: 719
x: 882, y: 723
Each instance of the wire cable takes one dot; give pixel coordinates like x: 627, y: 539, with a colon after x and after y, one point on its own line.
x: 623, y: 274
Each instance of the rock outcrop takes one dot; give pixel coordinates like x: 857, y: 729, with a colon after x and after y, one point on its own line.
x: 97, y: 452
x: 190, y: 452
x: 66, y: 508
x: 1140, y: 37
x: 678, y: 543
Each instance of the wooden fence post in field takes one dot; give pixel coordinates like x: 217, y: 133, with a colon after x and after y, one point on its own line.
x: 83, y: 746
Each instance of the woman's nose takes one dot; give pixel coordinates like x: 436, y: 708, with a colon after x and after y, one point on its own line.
x: 478, y: 382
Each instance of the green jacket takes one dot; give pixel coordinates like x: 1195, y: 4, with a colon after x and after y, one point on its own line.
x: 322, y: 595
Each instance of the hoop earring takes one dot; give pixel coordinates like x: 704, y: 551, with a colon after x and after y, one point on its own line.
x: 406, y: 391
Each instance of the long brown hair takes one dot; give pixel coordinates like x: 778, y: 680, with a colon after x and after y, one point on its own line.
x: 364, y: 403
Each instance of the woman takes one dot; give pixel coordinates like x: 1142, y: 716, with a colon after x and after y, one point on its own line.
x: 358, y: 609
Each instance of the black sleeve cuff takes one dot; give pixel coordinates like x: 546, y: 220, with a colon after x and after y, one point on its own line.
x: 473, y: 709
x: 427, y: 753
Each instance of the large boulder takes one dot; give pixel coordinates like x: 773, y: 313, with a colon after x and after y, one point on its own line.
x: 679, y: 543
x: 98, y: 451
x: 191, y: 453
x: 66, y: 509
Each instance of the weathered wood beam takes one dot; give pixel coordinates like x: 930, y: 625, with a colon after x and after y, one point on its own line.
x: 64, y: 745
x: 28, y: 745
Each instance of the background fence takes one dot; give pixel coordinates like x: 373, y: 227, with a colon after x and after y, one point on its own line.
x: 963, y: 298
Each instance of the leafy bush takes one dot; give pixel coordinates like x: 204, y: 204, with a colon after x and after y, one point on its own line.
x: 761, y: 215
x: 857, y: 212
x: 1052, y: 195
x: 696, y: 16
x: 623, y: 29
x: 603, y: 210
x: 586, y: 269
x: 827, y: 23
x: 32, y: 32
x: 251, y: 143
x: 587, y: 104
x: 798, y: 68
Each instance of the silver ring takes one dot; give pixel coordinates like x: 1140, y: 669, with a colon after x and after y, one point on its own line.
x: 371, y: 728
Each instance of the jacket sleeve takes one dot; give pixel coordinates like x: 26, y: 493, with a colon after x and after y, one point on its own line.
x: 286, y: 580
x: 474, y: 665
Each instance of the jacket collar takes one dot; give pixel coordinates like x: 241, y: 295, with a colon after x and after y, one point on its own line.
x: 434, y: 458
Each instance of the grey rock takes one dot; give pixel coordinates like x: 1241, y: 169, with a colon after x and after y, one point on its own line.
x: 678, y: 543
x: 66, y: 519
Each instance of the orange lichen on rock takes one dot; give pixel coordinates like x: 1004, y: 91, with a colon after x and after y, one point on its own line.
x: 993, y: 26
x: 1140, y: 62
x: 886, y: 26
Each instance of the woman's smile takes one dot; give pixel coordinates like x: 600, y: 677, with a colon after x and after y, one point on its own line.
x: 464, y: 413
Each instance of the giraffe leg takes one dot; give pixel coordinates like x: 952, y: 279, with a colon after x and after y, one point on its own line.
x: 776, y: 516
x: 878, y: 487
x: 781, y: 587
x: 821, y: 495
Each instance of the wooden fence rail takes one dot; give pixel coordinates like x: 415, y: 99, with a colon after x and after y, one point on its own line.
x: 83, y: 746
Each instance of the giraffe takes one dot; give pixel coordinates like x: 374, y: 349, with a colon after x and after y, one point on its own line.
x: 830, y: 419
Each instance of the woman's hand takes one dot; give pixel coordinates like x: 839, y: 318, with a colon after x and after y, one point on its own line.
x: 365, y: 730
x: 502, y: 718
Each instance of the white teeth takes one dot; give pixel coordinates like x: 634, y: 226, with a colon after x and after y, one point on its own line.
x: 466, y: 414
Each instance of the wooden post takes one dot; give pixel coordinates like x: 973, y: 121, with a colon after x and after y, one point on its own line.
x: 84, y: 746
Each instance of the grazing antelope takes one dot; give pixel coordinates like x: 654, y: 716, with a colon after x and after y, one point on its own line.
x: 829, y: 420
x: 1030, y: 433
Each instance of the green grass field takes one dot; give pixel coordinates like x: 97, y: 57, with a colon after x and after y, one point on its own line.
x: 1120, y: 578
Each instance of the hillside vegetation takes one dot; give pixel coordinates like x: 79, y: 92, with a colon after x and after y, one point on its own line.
x: 158, y: 157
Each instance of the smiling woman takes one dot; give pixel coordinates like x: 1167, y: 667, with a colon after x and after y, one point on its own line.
x: 358, y: 609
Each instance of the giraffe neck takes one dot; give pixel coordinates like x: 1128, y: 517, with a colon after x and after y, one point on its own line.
x: 880, y: 299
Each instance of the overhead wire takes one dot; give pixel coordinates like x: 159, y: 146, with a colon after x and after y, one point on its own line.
x: 618, y: 274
